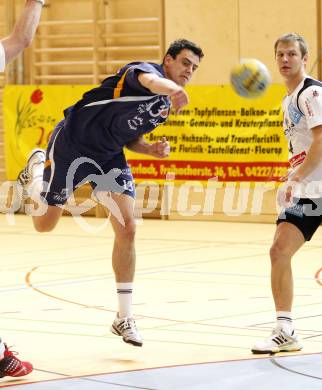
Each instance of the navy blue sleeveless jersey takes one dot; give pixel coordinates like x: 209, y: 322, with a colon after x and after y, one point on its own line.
x: 114, y: 114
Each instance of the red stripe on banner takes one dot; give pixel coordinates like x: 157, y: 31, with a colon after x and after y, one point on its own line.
x: 205, y: 170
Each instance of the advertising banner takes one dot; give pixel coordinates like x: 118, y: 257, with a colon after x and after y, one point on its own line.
x: 30, y: 115
x: 218, y: 134
x: 221, y: 134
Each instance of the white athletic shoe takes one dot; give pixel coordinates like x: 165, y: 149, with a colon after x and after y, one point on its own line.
x: 37, y: 156
x: 279, y: 341
x: 126, y: 328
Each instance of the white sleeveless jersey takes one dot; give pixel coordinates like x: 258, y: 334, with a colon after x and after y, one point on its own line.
x: 302, y: 112
x: 2, y: 58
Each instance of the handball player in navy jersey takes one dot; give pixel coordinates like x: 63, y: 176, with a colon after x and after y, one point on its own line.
x: 88, y: 146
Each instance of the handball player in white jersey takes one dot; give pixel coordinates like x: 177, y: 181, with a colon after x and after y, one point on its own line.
x: 10, y: 47
x: 301, y: 194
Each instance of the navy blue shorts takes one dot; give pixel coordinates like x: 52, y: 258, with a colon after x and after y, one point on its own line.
x: 66, y: 170
x: 305, y: 214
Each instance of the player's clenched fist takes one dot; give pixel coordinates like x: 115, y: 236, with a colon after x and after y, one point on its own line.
x: 179, y: 99
x: 160, y: 149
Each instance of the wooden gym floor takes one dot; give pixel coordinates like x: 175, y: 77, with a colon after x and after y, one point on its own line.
x: 201, y: 300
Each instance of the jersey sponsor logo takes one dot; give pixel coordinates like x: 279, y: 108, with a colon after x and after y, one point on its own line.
x: 308, y: 107
x: 297, y: 159
x: 160, y: 110
x: 289, y: 128
x: 62, y: 195
x: 315, y: 94
x: 135, y: 122
x: 153, y: 112
x: 294, y: 113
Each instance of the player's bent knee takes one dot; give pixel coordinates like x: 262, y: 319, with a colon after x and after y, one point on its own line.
x: 273, y: 253
x: 43, y: 226
x: 47, y: 223
x: 128, y: 230
x: 278, y: 252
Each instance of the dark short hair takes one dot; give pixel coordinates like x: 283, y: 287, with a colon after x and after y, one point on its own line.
x: 180, y: 44
x: 293, y: 37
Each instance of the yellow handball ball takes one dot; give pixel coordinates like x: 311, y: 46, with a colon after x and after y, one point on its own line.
x: 250, y: 78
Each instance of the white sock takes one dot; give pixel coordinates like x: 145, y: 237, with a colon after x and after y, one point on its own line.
x: 284, y: 319
x: 124, y: 295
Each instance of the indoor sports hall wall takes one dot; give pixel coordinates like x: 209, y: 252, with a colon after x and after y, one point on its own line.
x: 232, y: 29
x: 227, y: 30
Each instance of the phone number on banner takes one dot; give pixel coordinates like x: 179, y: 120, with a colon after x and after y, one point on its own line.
x: 205, y: 170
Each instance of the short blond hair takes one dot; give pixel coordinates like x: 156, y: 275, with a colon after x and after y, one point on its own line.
x: 293, y: 37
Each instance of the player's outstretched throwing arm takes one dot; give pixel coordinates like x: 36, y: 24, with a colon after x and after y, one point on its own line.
x: 162, y: 86
x: 179, y: 98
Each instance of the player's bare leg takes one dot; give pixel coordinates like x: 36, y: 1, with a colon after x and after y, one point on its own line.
x: 123, y: 260
x: 287, y: 241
